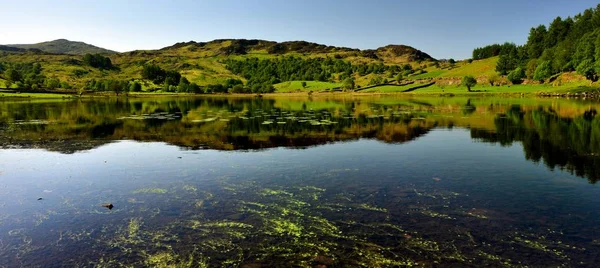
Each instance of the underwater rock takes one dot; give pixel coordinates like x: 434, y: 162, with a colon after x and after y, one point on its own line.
x: 324, y: 260
x: 40, y: 199
x: 109, y: 206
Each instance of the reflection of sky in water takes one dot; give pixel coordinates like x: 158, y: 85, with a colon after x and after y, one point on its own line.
x: 441, y: 175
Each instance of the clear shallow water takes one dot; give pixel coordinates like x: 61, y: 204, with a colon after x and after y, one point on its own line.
x: 376, y: 183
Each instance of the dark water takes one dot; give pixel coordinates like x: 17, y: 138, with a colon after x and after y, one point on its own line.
x: 369, y: 182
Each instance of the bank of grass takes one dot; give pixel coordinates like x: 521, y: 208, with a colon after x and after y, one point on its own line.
x: 294, y: 86
x: 9, y: 95
x: 576, y: 87
x: 294, y: 89
x: 389, y: 89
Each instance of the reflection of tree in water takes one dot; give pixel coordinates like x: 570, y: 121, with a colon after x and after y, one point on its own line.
x: 572, y: 144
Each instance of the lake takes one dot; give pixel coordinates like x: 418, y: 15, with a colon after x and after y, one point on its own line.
x: 300, y: 182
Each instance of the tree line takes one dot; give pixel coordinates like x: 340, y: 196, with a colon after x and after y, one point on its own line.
x: 571, y: 44
x: 262, y: 73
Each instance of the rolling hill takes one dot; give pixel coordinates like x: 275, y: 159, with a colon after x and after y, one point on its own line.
x: 203, y: 63
x: 63, y: 46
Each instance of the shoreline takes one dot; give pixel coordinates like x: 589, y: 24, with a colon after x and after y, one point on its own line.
x: 103, y: 95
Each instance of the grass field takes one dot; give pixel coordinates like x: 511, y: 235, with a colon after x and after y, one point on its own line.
x: 293, y: 86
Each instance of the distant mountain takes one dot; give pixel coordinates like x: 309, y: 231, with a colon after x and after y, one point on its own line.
x: 63, y: 46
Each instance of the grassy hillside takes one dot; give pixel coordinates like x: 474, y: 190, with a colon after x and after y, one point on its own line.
x: 63, y: 46
x: 205, y: 64
x: 478, y: 68
x: 202, y: 63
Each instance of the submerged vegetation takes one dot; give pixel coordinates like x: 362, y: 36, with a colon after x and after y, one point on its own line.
x: 243, y: 223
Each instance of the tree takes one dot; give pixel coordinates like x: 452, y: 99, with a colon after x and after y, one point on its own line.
x: 504, y: 65
x: 452, y: 62
x: 399, y: 78
x: 65, y: 85
x: 116, y: 86
x: 348, y: 83
x: 13, y: 75
x: 135, y: 87
x: 585, y: 49
x: 535, y: 42
x: 52, y: 83
x: 303, y: 84
x: 193, y: 88
x: 493, y: 79
x: 469, y: 82
x: 238, y: 89
x: 516, y: 76
x: 543, y: 71
x: 183, y: 85
x: 154, y: 73
x: 587, y: 69
x: 97, y: 61
x: 531, y: 66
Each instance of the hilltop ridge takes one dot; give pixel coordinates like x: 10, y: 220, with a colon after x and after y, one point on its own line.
x: 64, y: 46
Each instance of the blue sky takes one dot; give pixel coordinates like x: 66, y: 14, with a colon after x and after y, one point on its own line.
x: 442, y: 28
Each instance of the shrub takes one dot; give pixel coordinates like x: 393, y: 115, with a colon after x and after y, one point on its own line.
x: 516, y: 76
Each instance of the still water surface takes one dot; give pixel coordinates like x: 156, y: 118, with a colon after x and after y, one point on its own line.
x: 365, y: 182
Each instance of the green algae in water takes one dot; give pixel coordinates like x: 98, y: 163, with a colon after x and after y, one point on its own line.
x: 150, y: 191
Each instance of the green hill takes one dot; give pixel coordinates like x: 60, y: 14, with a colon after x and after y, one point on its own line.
x: 63, y: 46
x: 209, y: 63
x: 243, y: 66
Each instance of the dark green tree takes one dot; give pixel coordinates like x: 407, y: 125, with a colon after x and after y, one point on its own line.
x: 535, y: 42
x: 97, y: 61
x: 183, y: 85
x: 587, y: 69
x: 135, y: 87
x: 543, y: 71
x: 13, y: 75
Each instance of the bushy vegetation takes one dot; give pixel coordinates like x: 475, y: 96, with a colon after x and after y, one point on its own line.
x: 158, y: 75
x: 23, y: 75
x: 481, y: 53
x: 516, y: 76
x: 98, y: 61
x: 266, y: 72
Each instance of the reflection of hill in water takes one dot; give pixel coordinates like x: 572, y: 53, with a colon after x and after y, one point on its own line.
x: 571, y: 142
x: 228, y: 124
